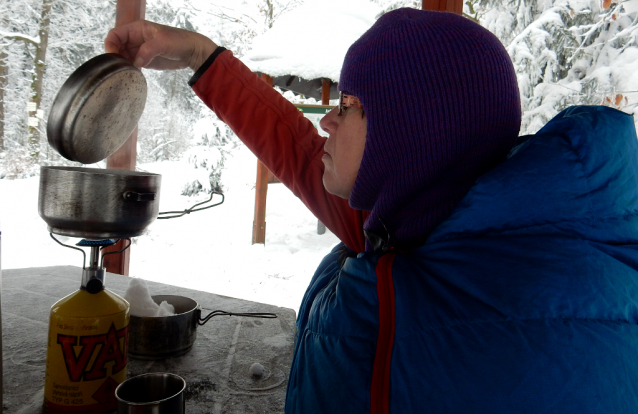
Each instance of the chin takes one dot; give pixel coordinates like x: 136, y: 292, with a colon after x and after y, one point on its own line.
x: 338, y: 193
x: 328, y: 185
x: 334, y: 188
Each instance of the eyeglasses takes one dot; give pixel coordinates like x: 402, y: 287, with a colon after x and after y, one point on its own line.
x: 347, y: 101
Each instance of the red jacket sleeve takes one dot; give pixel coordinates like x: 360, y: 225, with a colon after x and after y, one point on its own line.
x: 281, y: 137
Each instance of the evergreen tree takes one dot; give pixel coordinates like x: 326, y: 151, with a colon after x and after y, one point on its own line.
x: 566, y: 53
x: 42, y: 42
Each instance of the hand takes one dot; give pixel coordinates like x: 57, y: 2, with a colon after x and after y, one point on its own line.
x: 154, y: 46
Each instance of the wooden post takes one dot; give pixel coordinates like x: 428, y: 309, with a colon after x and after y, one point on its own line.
x: 261, y: 190
x: 126, y: 11
x: 325, y: 91
x: 454, y: 6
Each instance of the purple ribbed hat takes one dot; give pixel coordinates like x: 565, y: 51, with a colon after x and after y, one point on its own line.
x: 442, y: 107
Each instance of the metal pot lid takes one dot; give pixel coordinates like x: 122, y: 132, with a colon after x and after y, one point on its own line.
x: 97, y: 109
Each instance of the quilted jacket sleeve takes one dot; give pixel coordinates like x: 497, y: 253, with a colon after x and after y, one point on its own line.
x: 281, y: 137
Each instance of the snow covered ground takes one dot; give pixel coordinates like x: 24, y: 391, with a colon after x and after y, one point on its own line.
x: 209, y: 250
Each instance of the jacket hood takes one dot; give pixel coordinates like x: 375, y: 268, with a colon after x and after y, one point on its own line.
x: 442, y: 108
x: 577, y: 177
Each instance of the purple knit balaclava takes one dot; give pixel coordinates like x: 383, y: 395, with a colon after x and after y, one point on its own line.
x: 442, y: 107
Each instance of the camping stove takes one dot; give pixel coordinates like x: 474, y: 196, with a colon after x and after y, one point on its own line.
x: 95, y: 320
x: 93, y: 275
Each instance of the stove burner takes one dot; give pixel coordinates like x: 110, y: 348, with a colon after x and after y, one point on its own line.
x: 91, y: 243
x: 93, y: 276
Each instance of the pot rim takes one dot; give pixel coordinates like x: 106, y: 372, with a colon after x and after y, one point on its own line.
x: 99, y: 171
x: 163, y: 297
x: 129, y: 381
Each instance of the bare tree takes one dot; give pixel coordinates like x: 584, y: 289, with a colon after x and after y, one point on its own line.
x: 38, y: 43
x: 38, y: 78
x: 4, y: 70
x: 42, y: 42
x: 235, y: 27
x: 272, y: 9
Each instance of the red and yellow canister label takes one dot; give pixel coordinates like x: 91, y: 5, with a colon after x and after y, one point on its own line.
x: 86, y: 356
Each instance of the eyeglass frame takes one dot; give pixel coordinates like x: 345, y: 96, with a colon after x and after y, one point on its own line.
x: 348, y: 101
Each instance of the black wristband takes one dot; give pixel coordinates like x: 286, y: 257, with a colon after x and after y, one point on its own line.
x: 199, y: 72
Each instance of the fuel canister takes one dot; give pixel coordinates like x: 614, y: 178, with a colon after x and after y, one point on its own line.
x: 86, y: 350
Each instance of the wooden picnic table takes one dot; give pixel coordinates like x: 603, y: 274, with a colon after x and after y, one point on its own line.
x: 216, y: 369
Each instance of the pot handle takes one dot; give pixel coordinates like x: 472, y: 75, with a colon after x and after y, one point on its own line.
x: 135, y: 196
x: 205, y: 319
x: 176, y: 214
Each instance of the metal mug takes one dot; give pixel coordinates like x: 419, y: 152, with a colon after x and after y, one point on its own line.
x: 155, y: 393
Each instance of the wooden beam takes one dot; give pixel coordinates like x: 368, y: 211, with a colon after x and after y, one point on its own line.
x: 126, y: 11
x: 261, y: 190
x: 453, y: 6
x: 325, y: 91
x: 271, y: 178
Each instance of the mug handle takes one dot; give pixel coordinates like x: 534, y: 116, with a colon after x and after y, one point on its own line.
x: 201, y: 321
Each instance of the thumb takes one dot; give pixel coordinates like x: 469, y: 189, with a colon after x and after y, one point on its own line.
x: 147, y: 52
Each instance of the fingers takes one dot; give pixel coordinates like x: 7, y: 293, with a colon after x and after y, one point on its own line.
x: 140, y: 42
x: 148, y: 52
x: 154, y: 46
x: 154, y: 55
x: 125, y: 40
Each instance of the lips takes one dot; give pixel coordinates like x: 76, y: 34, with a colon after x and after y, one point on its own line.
x: 326, y: 153
x: 325, y: 145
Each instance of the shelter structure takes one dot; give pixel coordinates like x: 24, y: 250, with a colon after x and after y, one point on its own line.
x: 311, y: 67
x: 308, y: 65
x: 305, y: 82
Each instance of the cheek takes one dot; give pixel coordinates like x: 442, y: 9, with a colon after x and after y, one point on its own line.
x: 358, y: 147
x: 348, y: 165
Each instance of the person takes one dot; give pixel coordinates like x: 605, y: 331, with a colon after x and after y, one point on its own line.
x: 478, y: 271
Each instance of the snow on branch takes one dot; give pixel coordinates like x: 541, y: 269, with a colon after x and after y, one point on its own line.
x: 20, y: 36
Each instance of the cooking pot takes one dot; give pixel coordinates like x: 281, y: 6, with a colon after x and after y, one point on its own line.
x: 94, y: 203
x: 170, y: 336
x: 93, y: 114
x: 97, y: 203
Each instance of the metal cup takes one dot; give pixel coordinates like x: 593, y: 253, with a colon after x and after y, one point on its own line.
x: 155, y: 393
x: 161, y: 337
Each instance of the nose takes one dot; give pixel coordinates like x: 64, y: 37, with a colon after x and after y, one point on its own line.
x: 329, y: 122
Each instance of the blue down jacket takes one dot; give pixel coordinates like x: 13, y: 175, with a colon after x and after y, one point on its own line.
x: 524, y: 301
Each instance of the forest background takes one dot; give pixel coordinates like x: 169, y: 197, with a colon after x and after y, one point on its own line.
x: 565, y: 52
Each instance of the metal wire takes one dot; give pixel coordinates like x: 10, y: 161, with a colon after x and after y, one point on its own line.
x: 72, y: 247
x: 205, y: 319
x: 192, y: 209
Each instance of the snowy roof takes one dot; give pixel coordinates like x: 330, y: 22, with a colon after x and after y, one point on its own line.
x: 291, y: 48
